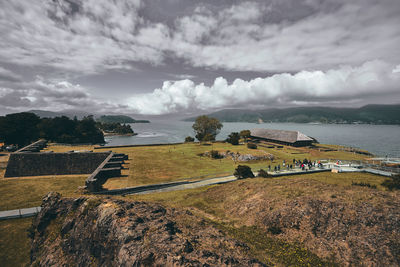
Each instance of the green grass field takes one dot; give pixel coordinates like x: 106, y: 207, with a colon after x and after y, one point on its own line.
x: 28, y: 191
x: 157, y: 164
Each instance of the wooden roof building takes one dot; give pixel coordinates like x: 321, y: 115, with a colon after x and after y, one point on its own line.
x: 290, y: 138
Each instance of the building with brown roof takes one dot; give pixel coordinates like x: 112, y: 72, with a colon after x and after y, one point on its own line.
x: 289, y: 138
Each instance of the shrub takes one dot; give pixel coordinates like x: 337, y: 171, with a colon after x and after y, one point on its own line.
x: 262, y: 173
x: 393, y: 183
x: 251, y: 146
x: 189, y: 139
x: 243, y: 171
x: 275, y: 230
x: 245, y: 134
x: 364, y: 184
x: 215, y: 154
x: 233, y: 138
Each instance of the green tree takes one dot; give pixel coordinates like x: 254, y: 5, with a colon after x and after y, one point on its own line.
x: 114, y: 127
x: 251, y: 146
x: 206, y: 128
x: 189, y: 139
x: 245, y: 134
x: 243, y: 171
x: 233, y: 138
x: 19, y: 128
x: 24, y: 128
x: 392, y: 183
x: 88, y: 132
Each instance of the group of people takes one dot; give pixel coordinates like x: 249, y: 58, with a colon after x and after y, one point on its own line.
x: 303, y: 164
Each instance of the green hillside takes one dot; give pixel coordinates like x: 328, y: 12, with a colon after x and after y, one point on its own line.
x: 119, y: 119
x: 373, y: 114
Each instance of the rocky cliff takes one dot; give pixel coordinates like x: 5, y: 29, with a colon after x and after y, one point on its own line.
x: 110, y: 232
x: 354, y: 226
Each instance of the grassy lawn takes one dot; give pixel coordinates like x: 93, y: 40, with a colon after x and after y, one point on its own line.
x: 157, y: 164
x: 28, y: 191
x: 14, y: 242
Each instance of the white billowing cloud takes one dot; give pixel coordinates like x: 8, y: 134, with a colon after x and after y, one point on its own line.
x: 345, y: 84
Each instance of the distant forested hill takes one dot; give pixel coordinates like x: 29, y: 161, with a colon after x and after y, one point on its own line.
x: 374, y: 114
x: 67, y: 113
x: 81, y: 114
x: 119, y: 119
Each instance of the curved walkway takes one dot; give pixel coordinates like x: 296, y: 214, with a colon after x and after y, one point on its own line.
x: 190, y: 185
x: 19, y: 213
x: 164, y: 187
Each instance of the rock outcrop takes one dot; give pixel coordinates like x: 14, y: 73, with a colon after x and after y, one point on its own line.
x: 354, y: 234
x: 239, y: 157
x: 110, y: 232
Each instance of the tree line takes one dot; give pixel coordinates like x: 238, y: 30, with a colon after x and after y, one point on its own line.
x: 24, y: 128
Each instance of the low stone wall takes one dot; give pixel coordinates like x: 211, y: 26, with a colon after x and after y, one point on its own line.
x: 35, y: 164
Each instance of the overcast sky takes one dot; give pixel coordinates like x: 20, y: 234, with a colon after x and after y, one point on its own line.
x: 191, y: 56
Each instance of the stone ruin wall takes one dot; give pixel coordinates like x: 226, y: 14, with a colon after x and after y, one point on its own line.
x: 36, y: 164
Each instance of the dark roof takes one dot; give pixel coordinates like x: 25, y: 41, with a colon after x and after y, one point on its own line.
x: 280, y: 135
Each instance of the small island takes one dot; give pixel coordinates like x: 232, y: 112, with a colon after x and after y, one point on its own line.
x: 115, y: 128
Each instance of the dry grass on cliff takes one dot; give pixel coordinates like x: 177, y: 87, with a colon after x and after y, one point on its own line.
x: 238, y: 207
x: 214, y: 199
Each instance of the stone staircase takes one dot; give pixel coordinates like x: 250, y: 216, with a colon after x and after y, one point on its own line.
x: 110, y: 167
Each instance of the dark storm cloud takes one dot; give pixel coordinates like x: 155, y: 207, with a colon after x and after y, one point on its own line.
x: 109, y: 44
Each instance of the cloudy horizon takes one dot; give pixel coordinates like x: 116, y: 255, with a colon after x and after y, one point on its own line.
x: 187, y: 56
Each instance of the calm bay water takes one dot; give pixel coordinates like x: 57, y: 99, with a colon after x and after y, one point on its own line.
x: 381, y: 140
